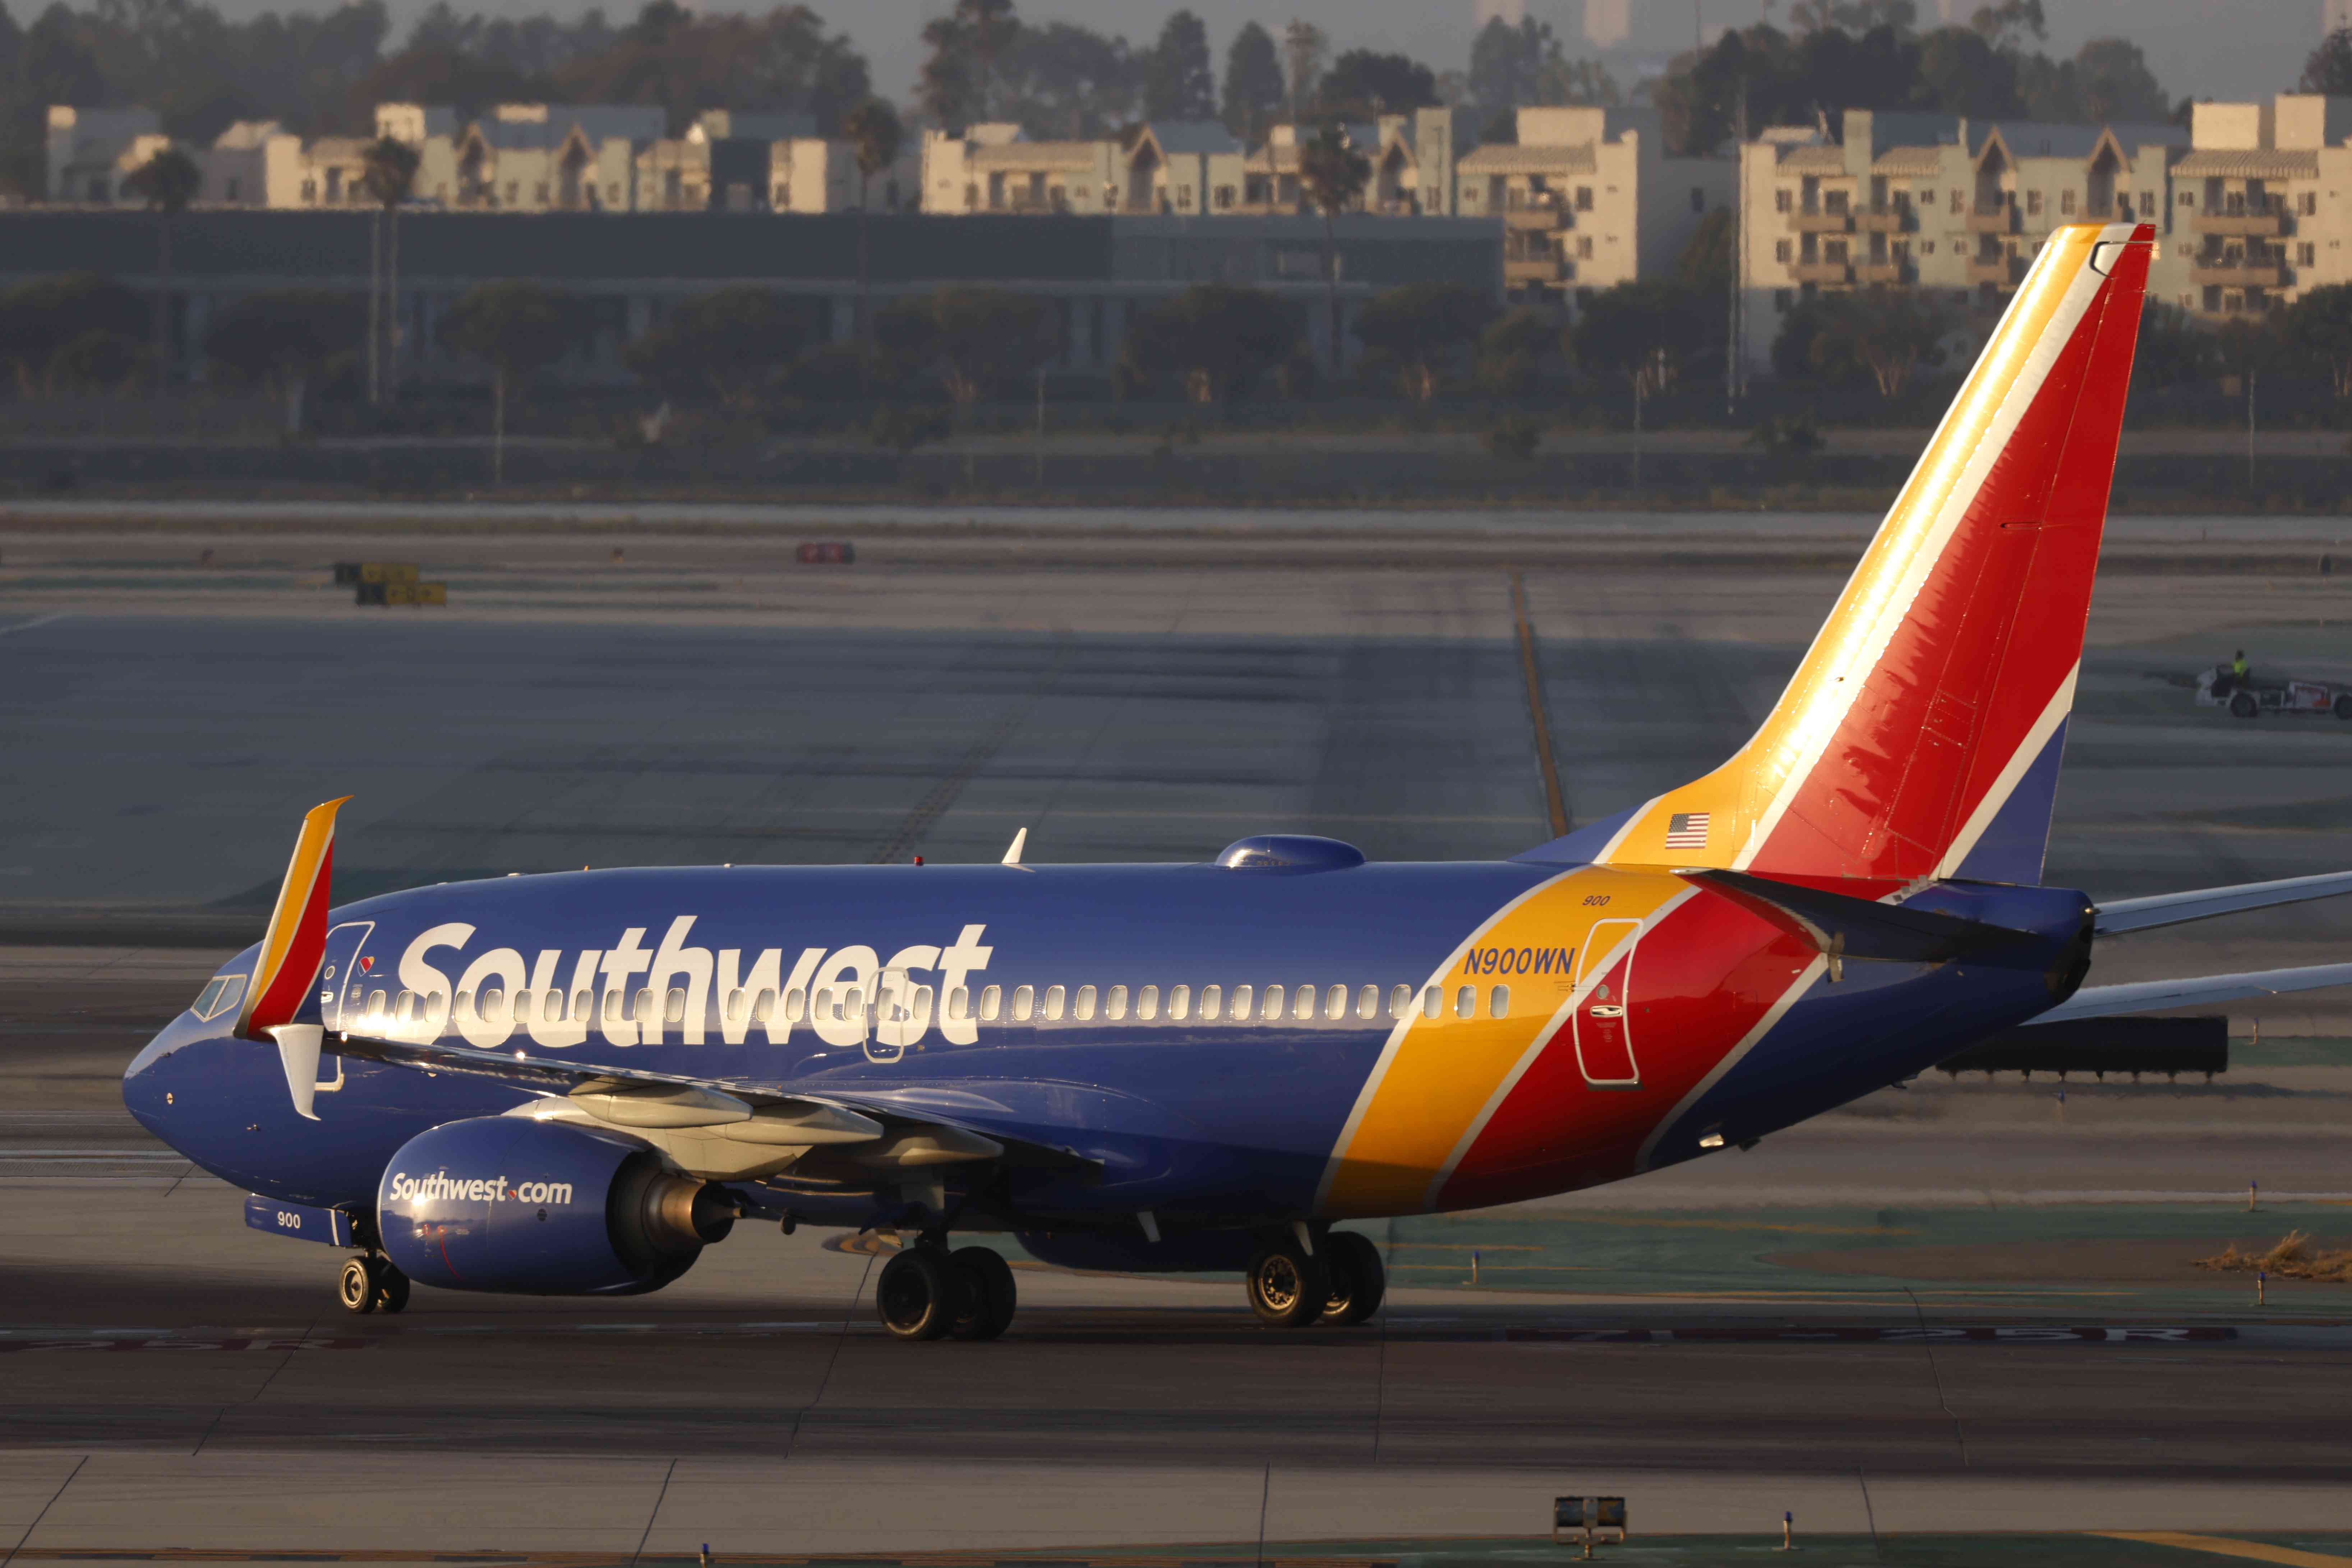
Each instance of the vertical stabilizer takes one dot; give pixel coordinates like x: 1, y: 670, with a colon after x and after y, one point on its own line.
x: 1921, y: 734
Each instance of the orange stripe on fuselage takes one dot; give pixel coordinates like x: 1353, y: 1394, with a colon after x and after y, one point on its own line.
x: 1704, y: 975
x: 1441, y: 1077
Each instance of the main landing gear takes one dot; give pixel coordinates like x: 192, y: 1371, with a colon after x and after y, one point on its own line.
x: 927, y: 1292
x: 372, y: 1284
x: 1342, y: 1281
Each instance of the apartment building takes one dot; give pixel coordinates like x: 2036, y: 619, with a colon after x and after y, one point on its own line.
x: 1936, y: 202
x: 2265, y: 200
x: 1173, y: 168
x: 1588, y: 198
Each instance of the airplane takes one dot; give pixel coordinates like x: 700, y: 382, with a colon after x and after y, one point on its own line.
x: 572, y: 1084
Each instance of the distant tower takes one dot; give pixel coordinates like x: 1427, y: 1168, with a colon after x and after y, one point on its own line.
x: 1511, y: 12
x: 1608, y: 23
x: 2334, y: 15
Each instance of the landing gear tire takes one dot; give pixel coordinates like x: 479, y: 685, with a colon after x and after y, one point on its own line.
x: 987, y: 1296
x: 1286, y: 1288
x: 356, y: 1286
x: 916, y: 1296
x: 1359, y: 1280
x: 2244, y: 706
x: 391, y: 1287
x: 2344, y: 705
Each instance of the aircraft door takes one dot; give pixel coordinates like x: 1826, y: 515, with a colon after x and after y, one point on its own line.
x: 342, y: 975
x: 1604, y: 971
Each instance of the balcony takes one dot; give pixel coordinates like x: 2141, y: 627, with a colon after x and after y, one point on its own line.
x: 1993, y: 217
x: 1548, y: 216
x: 1884, y: 220
x: 1821, y: 220
x: 2238, y: 275
x: 1534, y: 269
x: 1883, y: 274
x: 2001, y: 271
x: 1835, y: 273
x: 2268, y: 225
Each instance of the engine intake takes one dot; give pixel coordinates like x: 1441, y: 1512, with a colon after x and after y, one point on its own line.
x: 504, y: 1203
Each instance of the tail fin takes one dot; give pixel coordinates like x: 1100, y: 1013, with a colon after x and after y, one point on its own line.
x: 296, y: 942
x: 1920, y: 736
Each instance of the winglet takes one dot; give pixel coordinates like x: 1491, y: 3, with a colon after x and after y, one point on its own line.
x: 1012, y: 856
x: 296, y: 943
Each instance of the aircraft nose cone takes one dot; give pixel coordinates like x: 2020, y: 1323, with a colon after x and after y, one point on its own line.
x: 151, y: 1086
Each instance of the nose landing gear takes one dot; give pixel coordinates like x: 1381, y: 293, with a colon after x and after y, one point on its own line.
x: 372, y: 1284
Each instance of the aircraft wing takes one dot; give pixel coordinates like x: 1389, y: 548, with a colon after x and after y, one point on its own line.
x: 2178, y: 909
x: 652, y: 1102
x: 2201, y: 989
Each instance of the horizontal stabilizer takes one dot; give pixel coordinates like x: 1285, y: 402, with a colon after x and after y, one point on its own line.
x: 2123, y: 915
x: 2195, y: 991
x: 1847, y: 927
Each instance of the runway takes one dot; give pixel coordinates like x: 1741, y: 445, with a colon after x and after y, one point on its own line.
x: 1961, y: 1308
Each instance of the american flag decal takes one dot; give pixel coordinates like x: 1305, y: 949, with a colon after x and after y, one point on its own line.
x: 1686, y: 830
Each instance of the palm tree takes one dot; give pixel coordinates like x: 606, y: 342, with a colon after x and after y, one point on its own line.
x: 388, y: 173
x: 874, y: 130
x: 515, y: 328
x: 167, y: 182
x: 1332, y: 174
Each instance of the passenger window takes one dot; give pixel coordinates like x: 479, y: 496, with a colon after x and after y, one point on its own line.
x: 550, y: 1007
x: 643, y: 1013
x: 1054, y: 1001
x: 1433, y: 1002
x: 1498, y: 1001
x: 853, y: 1004
x: 376, y: 1005
x: 1180, y: 1002
x: 823, y: 1005
x: 1242, y: 995
x: 1084, y: 1010
x: 1465, y: 1002
x: 466, y: 1000
x: 674, y: 1006
x: 735, y: 1007
x: 1335, y: 1005
x: 1304, y: 1008
x: 583, y: 1005
x: 795, y: 1005
x: 1273, y: 1003
x: 763, y: 1007
x: 923, y: 1003
x: 1212, y: 998
x: 400, y: 1004
x: 1147, y: 1003
x: 1368, y: 1001
x: 960, y: 1004
x: 1115, y: 1005
x: 520, y: 1011
x: 991, y: 1001
x: 1024, y: 1003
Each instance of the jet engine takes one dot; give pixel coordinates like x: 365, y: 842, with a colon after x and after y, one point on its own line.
x: 502, y: 1202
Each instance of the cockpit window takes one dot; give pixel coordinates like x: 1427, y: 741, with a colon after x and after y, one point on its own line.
x: 224, y: 992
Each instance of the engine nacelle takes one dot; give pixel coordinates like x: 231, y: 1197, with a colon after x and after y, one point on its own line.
x: 537, y: 1208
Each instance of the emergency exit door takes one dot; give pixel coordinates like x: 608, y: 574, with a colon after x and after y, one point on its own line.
x: 1604, y: 1034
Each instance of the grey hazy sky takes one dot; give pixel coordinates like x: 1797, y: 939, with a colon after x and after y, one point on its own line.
x: 2210, y: 48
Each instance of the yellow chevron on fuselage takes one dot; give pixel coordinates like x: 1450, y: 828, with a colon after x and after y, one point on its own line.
x: 1737, y: 797
x: 1440, y: 1077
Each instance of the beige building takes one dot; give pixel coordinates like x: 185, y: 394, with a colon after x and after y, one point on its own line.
x: 1413, y: 162
x: 2265, y: 200
x: 1173, y: 168
x: 1936, y: 202
x: 1589, y: 199
x: 543, y: 157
